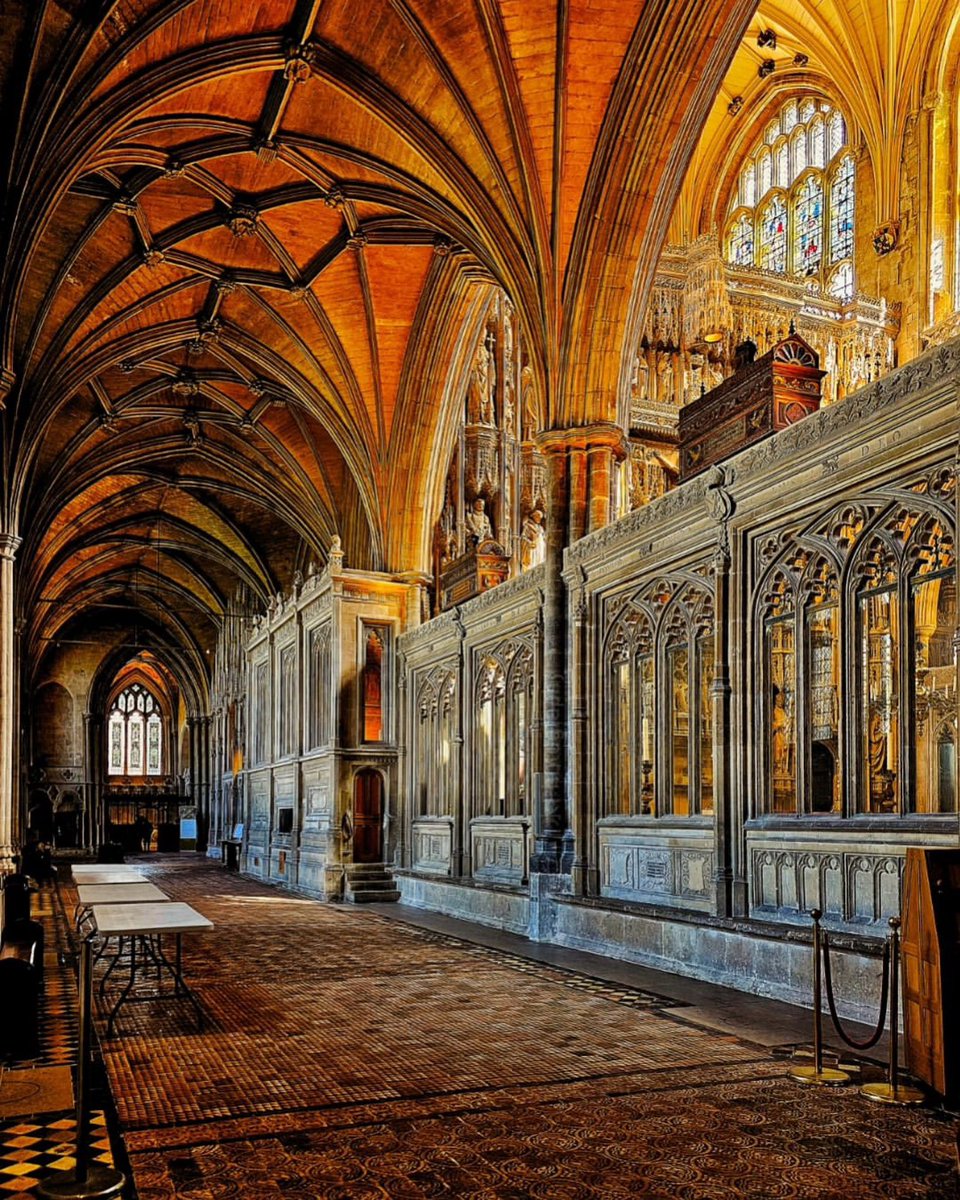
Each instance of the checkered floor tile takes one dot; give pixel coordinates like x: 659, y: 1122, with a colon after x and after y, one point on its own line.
x: 32, y: 1149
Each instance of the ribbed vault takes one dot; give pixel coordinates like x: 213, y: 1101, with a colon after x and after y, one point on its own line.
x: 247, y: 246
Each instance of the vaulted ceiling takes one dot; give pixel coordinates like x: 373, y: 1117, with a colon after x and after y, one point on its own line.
x: 880, y: 61
x: 248, y: 243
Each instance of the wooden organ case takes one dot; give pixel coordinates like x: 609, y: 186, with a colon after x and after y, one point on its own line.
x: 761, y: 398
x: 931, y: 968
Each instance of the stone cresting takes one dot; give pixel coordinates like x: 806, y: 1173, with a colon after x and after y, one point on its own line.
x: 937, y: 366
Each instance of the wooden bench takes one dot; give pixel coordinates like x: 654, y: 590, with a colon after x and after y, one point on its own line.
x: 21, y: 978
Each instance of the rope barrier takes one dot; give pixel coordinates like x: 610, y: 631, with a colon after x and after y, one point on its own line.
x: 831, y: 1003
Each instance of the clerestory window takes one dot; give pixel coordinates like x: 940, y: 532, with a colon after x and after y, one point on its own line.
x: 792, y: 211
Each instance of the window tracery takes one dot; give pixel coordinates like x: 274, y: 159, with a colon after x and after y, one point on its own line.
x: 503, y: 701
x: 135, y: 733
x: 436, y: 742
x: 796, y: 191
x: 858, y: 615
x: 659, y: 659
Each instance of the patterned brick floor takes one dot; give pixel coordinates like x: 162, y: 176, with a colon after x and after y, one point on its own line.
x: 349, y: 1055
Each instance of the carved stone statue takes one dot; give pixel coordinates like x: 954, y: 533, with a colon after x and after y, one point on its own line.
x: 533, y: 540
x: 477, y: 522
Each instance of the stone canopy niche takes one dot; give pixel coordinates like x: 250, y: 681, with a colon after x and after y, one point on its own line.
x: 759, y: 399
x: 492, y: 524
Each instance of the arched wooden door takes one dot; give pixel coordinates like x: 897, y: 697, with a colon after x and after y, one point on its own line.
x: 368, y: 817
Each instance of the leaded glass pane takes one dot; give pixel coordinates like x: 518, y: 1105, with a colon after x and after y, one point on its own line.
x: 678, y: 660
x: 879, y: 654
x: 934, y: 695
x: 748, y: 185
x: 799, y: 152
x: 705, y: 654
x: 782, y: 714
x: 808, y: 244
x: 623, y: 744
x: 841, y: 211
x: 783, y: 165
x: 789, y: 118
x: 647, y: 744
x: 817, y: 143
x: 153, y: 745
x: 116, y: 745
x: 824, y: 650
x: 773, y: 236
x: 741, y: 241
x: 837, y: 133
x: 764, y: 173
x: 135, y: 746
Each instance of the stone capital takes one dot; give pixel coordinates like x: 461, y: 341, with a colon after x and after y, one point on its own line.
x: 601, y: 435
x: 9, y: 545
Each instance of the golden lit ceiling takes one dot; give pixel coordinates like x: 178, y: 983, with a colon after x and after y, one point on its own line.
x: 880, y: 61
x: 248, y: 244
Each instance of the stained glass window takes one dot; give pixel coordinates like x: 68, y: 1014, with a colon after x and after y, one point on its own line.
x: 135, y: 734
x: 841, y: 211
x: 809, y: 226
x: 153, y: 745
x: 838, y: 133
x: 741, y: 241
x: 808, y: 244
x: 773, y: 236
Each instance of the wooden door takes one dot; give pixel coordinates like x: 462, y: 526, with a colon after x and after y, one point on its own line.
x: 922, y: 998
x: 368, y: 817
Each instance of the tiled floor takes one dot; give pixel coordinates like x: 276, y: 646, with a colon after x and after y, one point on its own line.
x: 36, y: 1146
x: 351, y: 1054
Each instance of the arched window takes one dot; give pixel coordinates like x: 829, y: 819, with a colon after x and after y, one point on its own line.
x: 865, y: 628
x: 659, y: 657
x: 805, y: 227
x: 135, y: 734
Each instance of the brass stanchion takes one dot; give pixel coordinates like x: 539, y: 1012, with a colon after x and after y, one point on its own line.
x: 87, y: 1181
x: 893, y: 1092
x: 828, y: 1076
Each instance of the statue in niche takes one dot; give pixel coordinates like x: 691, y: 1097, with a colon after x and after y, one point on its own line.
x: 487, y: 411
x: 529, y: 419
x: 478, y: 524
x: 533, y: 540
x: 780, y: 735
x: 482, y: 385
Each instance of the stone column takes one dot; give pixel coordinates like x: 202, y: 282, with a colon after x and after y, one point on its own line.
x: 729, y: 882
x: 599, y: 475
x: 553, y: 844
x: 578, y: 495
x: 9, y: 544
x: 88, y: 814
